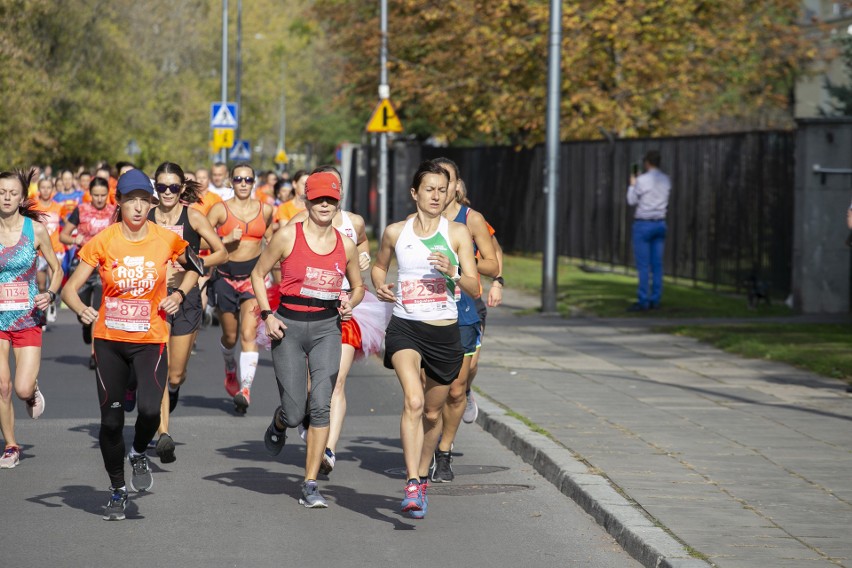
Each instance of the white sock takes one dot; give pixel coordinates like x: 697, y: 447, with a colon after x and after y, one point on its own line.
x: 173, y: 388
x: 228, y: 354
x: 248, y: 366
x: 133, y: 452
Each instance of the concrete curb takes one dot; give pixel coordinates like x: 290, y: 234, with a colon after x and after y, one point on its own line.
x: 638, y: 535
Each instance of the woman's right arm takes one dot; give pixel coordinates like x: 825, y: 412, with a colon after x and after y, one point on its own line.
x: 86, y: 314
x: 379, y: 273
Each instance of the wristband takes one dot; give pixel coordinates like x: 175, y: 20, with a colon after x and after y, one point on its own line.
x: 182, y: 294
x: 458, y: 275
x: 265, y: 314
x: 52, y: 295
x: 499, y: 280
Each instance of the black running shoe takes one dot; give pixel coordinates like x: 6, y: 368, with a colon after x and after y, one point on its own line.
x: 442, y: 470
x: 274, y: 439
x: 165, y: 449
x: 115, y: 507
x: 93, y: 364
x: 173, y: 398
x: 141, y: 480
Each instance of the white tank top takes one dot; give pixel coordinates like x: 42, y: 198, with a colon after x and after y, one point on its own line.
x: 347, y: 229
x: 423, y: 293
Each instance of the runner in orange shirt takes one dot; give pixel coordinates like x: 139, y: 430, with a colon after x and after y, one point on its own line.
x: 130, y: 328
x: 290, y: 209
x: 51, y: 216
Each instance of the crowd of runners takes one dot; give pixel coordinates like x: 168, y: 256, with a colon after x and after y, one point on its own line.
x: 145, y: 261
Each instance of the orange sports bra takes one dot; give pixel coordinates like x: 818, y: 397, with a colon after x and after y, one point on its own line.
x: 252, y: 231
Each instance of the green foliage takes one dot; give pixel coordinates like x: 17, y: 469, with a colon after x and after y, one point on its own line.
x: 841, y: 93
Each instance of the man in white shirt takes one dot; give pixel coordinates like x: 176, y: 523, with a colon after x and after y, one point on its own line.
x: 650, y: 194
x: 219, y: 181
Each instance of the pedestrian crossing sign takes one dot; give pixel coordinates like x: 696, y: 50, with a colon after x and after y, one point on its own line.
x: 384, y: 118
x: 240, y: 151
x: 223, y: 115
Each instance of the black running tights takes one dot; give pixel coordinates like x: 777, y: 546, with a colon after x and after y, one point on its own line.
x: 118, y: 364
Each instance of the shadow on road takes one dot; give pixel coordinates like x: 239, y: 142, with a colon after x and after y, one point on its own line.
x: 226, y: 405
x: 77, y: 360
x: 85, y: 498
x: 254, y: 450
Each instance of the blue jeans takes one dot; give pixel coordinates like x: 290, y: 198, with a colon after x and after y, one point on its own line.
x: 649, y: 240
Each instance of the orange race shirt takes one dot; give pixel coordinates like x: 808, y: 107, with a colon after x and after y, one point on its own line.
x: 52, y: 215
x: 207, y: 202
x: 287, y: 211
x: 134, y: 282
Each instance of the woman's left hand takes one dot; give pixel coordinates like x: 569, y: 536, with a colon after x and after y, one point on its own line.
x: 42, y: 301
x: 169, y: 304
x: 345, y: 310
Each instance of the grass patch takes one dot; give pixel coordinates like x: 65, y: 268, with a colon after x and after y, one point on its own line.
x: 608, y: 294
x: 819, y: 348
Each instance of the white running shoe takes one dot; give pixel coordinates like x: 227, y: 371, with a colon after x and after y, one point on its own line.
x: 303, y: 433
x: 471, y: 410
x: 35, y: 405
x: 51, y: 313
x: 10, y: 458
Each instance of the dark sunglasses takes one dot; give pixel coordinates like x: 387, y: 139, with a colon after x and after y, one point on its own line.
x: 163, y: 188
x: 240, y: 179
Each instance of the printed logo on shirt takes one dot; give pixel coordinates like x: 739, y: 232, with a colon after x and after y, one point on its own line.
x: 134, y: 275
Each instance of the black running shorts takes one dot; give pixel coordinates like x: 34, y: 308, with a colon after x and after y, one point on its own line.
x: 439, y: 347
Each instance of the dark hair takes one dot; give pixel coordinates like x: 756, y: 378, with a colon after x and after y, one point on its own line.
x: 119, y: 165
x: 461, y: 196
x: 241, y: 165
x: 298, y: 174
x: 281, y: 183
x: 27, y: 206
x: 191, y: 188
x: 96, y: 181
x: 653, y: 158
x: 326, y: 168
x: 448, y: 163
x: 425, y: 168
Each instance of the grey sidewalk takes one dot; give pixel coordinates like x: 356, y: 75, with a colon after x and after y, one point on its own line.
x: 743, y: 462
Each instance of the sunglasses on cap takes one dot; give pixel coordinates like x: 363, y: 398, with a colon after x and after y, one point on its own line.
x: 163, y: 188
x: 240, y: 179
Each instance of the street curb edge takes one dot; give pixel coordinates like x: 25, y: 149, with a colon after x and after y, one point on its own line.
x: 640, y: 537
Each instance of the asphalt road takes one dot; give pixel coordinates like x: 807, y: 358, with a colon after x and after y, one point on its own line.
x: 225, y: 502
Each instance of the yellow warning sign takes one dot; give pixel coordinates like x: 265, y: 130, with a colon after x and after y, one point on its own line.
x: 384, y: 118
x: 223, y: 138
x: 281, y: 157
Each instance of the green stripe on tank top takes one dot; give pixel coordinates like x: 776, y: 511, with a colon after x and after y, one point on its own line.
x: 437, y: 243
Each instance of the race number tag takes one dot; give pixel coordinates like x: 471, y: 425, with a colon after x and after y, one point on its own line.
x: 424, y: 295
x: 14, y: 296
x: 321, y: 284
x: 127, y: 315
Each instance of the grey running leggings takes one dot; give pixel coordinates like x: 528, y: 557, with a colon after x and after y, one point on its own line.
x: 307, y: 346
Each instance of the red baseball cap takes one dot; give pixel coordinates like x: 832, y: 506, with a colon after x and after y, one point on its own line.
x: 322, y: 184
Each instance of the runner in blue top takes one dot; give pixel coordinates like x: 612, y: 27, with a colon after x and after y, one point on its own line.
x: 21, y: 305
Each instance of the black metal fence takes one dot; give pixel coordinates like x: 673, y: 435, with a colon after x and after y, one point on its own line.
x: 730, y: 213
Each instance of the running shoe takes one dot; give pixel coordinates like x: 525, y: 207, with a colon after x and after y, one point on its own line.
x: 207, y: 316
x: 242, y: 400
x: 93, y: 364
x: 173, y: 398
x: 35, y: 405
x: 129, y: 400
x: 424, y: 485
x: 165, y: 448
x: 87, y: 334
x: 274, y: 439
x: 142, y: 480
x: 327, y: 463
x: 311, y: 497
x: 115, y: 507
x: 232, y: 385
x: 471, y: 410
x: 442, y: 470
x: 413, y: 499
x: 303, y: 433
x: 11, y: 457
x: 51, y: 313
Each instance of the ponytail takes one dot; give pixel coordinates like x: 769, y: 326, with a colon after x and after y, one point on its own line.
x: 27, y: 208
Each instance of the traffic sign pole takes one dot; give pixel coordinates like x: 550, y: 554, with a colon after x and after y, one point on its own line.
x: 383, y: 137
x: 222, y: 151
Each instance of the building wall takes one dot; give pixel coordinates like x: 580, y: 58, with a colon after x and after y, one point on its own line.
x: 811, y: 95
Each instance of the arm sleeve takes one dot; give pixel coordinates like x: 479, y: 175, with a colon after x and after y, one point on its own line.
x: 74, y: 217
